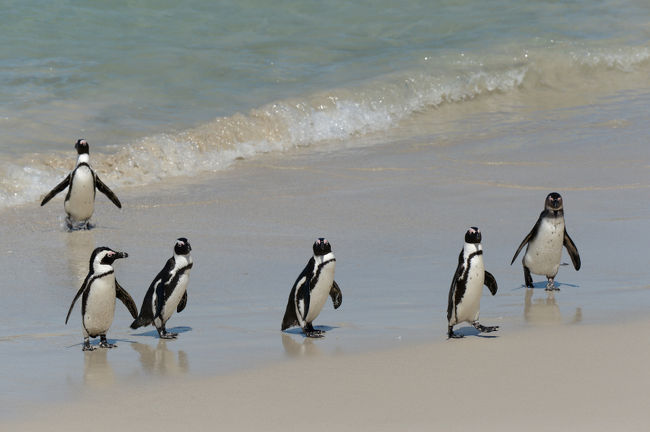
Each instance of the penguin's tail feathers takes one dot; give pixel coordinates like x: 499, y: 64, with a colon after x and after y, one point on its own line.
x: 139, y: 322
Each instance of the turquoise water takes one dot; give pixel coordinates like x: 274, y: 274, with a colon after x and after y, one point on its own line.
x: 177, y: 88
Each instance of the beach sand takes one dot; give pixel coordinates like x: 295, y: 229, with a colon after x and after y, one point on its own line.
x: 396, y: 214
x: 578, y: 378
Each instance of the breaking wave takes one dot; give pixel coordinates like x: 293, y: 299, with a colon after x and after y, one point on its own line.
x: 330, y: 116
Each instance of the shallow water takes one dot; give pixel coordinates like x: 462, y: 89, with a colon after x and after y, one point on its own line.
x: 165, y: 90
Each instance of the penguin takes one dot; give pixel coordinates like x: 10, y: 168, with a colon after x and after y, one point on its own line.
x: 545, y: 241
x: 79, y: 202
x: 98, y: 293
x: 467, y: 286
x: 168, y: 291
x: 311, y: 289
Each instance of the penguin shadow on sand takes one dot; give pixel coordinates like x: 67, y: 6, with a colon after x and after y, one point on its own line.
x: 98, y: 372
x: 154, y: 332
x: 471, y: 331
x: 545, y: 310
x: 161, y: 360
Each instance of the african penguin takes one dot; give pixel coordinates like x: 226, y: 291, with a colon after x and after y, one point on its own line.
x: 98, y: 293
x: 79, y: 202
x: 168, y: 291
x: 311, y: 289
x: 545, y: 241
x: 467, y: 286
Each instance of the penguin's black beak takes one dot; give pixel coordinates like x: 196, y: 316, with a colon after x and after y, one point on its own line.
x: 121, y: 255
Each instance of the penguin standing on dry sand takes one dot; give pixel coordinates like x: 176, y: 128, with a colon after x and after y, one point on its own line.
x: 98, y: 293
x: 168, y: 291
x: 467, y: 286
x: 545, y: 241
x: 311, y: 289
x: 79, y: 203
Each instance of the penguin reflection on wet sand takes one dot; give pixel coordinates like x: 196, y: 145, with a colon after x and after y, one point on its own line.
x: 82, y: 183
x: 467, y: 286
x: 311, y: 289
x: 545, y: 241
x: 98, y: 293
x: 168, y: 291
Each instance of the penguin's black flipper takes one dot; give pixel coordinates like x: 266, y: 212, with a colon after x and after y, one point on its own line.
x: 491, y: 283
x: 290, y: 319
x: 303, y: 297
x: 106, y: 191
x: 453, y: 296
x: 572, y: 249
x: 81, y: 290
x: 125, y: 298
x: 58, y: 188
x: 336, y: 295
x: 182, y: 303
x: 530, y: 235
x: 160, y: 299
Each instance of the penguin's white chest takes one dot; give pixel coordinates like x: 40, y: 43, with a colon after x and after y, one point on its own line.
x: 100, y: 306
x: 81, y: 203
x: 175, y: 298
x: 544, y: 252
x: 320, y: 292
x: 469, y: 306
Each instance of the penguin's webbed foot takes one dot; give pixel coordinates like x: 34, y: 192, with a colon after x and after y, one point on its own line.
x: 107, y: 345
x: 164, y: 334
x: 485, y: 329
x: 311, y: 332
x: 103, y: 343
x: 168, y: 335
x: 550, y: 286
x: 315, y: 334
x: 88, y: 347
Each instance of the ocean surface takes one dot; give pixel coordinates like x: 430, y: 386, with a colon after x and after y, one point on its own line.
x: 218, y: 120
x: 173, y: 89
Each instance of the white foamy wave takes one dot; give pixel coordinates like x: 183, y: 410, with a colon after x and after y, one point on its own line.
x: 333, y: 116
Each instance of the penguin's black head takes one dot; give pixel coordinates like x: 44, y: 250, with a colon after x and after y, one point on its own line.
x: 322, y: 247
x: 553, y: 202
x: 182, y: 246
x: 105, y: 256
x: 81, y: 146
x: 473, y: 235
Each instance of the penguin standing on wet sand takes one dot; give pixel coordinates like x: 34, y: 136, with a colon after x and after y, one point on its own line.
x: 545, y: 241
x: 311, y: 289
x: 98, y: 293
x: 467, y: 286
x: 79, y: 203
x: 168, y: 291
